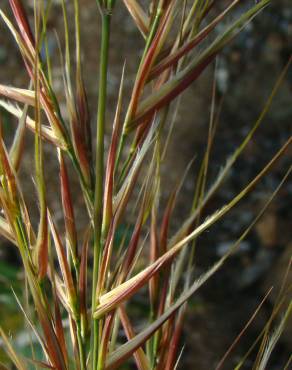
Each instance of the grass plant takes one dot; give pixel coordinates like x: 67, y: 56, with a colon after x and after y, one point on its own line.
x: 80, y: 285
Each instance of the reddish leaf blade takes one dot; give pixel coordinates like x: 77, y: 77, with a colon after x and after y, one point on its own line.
x: 140, y: 356
x: 111, y: 161
x: 64, y: 266
x: 170, y: 90
x: 110, y: 300
x: 68, y: 210
x: 22, y: 20
x: 83, y: 283
x: 126, y: 350
x: 174, y: 57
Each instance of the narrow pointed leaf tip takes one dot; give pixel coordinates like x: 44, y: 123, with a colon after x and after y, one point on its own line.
x: 19, y: 95
x: 139, y: 16
x: 183, y: 79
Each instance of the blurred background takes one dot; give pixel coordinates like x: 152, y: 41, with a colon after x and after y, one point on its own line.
x: 246, y: 73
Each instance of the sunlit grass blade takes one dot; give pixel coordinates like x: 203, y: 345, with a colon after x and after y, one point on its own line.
x: 131, y: 248
x: 130, y: 179
x: 52, y: 345
x: 19, y: 95
x: 111, y: 230
x: 60, y: 332
x: 263, y: 334
x: 17, y: 146
x: 282, y: 302
x: 60, y: 288
x: 105, y: 13
x: 6, y: 231
x: 69, y: 217
x: 185, y: 77
x: 31, y: 325
x: 27, y: 52
x: 127, y: 349
x: 8, y: 176
x: 22, y: 20
x: 18, y: 362
x: 65, y: 268
x: 233, y: 158
x: 188, y: 46
x: 13, y: 204
x: 81, y: 96
x: 146, y: 202
x: 46, y: 131
x: 47, y: 99
x: 51, y: 107
x: 111, y: 161
x: 274, y: 338
x: 41, y: 247
x: 140, y: 17
x: 127, y: 289
x: 148, y: 60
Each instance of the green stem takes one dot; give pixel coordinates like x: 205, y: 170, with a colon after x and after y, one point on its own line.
x: 81, y: 346
x: 99, y: 172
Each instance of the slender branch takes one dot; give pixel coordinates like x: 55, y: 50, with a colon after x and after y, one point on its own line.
x: 99, y: 171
